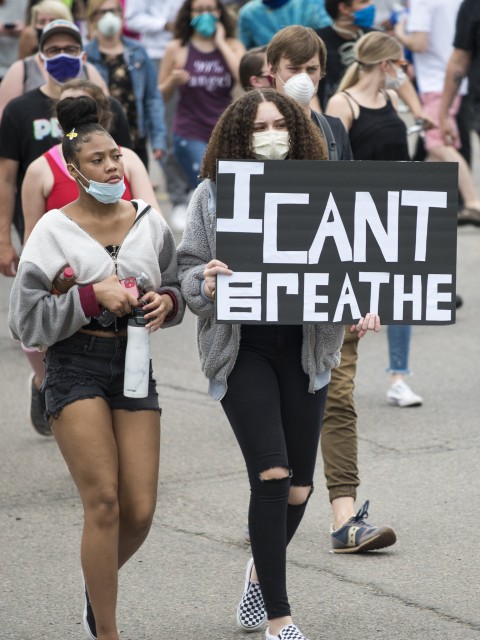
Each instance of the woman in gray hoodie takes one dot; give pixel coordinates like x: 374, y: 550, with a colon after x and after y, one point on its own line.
x: 271, y: 379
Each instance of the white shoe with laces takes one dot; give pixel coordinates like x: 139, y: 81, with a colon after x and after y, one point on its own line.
x: 400, y: 395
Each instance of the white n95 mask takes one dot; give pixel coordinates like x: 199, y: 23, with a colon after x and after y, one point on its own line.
x: 300, y: 88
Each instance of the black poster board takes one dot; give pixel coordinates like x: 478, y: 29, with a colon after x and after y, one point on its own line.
x: 320, y: 241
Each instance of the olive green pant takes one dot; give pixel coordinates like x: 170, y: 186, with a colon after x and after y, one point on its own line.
x: 339, y: 430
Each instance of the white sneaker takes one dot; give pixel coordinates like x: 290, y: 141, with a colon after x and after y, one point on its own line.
x: 400, y: 395
x: 178, y: 217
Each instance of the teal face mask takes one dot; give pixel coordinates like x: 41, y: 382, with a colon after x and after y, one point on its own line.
x: 205, y: 24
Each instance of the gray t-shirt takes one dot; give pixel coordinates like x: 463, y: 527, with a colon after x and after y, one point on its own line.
x: 10, y: 11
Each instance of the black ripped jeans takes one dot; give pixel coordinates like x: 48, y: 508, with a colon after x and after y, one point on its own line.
x: 277, y: 424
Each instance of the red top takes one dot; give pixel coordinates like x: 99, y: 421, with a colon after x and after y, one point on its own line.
x: 65, y: 188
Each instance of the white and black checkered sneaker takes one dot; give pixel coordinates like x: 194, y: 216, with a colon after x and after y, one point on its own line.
x: 290, y: 632
x: 251, y: 612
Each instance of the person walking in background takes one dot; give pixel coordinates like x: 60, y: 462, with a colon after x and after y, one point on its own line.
x: 253, y: 70
x: 130, y: 75
x: 154, y: 21
x: 258, y: 372
x: 296, y: 59
x: 39, y: 14
x: 464, y: 62
x: 110, y: 442
x: 428, y: 26
x: 202, y: 62
x: 365, y: 103
x: 30, y: 73
x: 12, y: 24
x: 259, y: 20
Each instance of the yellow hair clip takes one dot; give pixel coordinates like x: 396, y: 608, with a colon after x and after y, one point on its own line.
x: 73, y: 134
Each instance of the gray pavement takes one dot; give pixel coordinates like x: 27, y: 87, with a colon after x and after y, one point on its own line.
x: 419, y: 468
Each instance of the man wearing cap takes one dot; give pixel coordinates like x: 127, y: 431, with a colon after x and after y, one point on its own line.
x: 29, y: 128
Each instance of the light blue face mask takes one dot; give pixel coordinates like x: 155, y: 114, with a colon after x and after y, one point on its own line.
x: 365, y: 17
x: 104, y: 192
x: 205, y: 24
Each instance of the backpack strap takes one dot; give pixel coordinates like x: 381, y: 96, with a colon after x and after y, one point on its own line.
x: 324, y: 126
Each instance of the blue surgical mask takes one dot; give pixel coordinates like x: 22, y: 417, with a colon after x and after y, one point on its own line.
x: 205, y: 24
x: 104, y: 192
x: 63, y: 67
x: 365, y: 17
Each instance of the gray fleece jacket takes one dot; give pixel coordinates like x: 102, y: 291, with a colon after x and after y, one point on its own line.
x: 39, y: 319
x: 218, y: 344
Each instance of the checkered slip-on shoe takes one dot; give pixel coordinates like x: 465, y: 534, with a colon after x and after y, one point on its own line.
x: 251, y: 612
x: 357, y: 536
x: 290, y: 632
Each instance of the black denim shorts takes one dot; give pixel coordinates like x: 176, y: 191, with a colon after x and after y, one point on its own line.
x: 85, y: 366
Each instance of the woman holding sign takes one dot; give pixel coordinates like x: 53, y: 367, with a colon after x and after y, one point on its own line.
x: 366, y: 103
x: 271, y: 379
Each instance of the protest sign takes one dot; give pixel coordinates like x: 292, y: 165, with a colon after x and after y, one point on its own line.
x: 319, y: 241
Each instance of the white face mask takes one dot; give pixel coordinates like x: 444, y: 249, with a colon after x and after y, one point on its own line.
x: 270, y: 145
x: 299, y: 87
x: 395, y: 83
x: 109, y: 24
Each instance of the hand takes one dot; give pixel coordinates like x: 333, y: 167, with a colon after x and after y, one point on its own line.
x: 158, y: 153
x: 111, y: 295
x: 448, y: 131
x: 427, y: 122
x: 157, y: 308
x: 180, y: 76
x: 210, y: 273
x: 8, y: 260
x: 220, y: 34
x: 371, y: 322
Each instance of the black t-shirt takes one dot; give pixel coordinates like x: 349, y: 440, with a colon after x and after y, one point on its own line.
x: 340, y: 134
x: 28, y: 129
x: 339, y: 56
x: 467, y: 38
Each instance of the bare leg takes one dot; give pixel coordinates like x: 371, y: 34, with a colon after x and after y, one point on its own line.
x: 466, y: 183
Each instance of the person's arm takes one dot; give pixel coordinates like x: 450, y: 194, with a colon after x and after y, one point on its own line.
x: 8, y: 187
x: 171, y: 74
x: 339, y: 107
x: 410, y: 97
x: 457, y: 69
x: 12, y: 84
x: 138, y: 178
x: 230, y: 48
x: 154, y: 112
x: 34, y: 198
x: 417, y: 41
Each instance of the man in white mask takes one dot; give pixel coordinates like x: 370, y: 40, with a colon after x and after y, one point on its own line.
x: 297, y: 58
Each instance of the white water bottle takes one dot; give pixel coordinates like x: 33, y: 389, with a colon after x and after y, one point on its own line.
x: 137, y: 358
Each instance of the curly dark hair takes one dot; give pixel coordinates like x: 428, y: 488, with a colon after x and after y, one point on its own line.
x: 231, y: 138
x: 78, y: 118
x: 184, y: 31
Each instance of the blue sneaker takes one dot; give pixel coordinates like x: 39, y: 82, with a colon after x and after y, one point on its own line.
x: 356, y: 535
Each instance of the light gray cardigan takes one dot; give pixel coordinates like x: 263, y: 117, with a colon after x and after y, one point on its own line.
x: 40, y: 319
x: 218, y: 344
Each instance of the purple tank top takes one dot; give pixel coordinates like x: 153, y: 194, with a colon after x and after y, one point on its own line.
x: 206, y: 95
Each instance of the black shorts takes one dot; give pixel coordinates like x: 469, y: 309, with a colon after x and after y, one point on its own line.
x: 85, y: 366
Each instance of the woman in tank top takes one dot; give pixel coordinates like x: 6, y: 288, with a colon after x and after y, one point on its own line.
x: 202, y: 62
x: 366, y: 103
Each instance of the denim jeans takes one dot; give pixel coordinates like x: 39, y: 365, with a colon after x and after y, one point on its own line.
x: 399, y: 347
x: 189, y: 154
